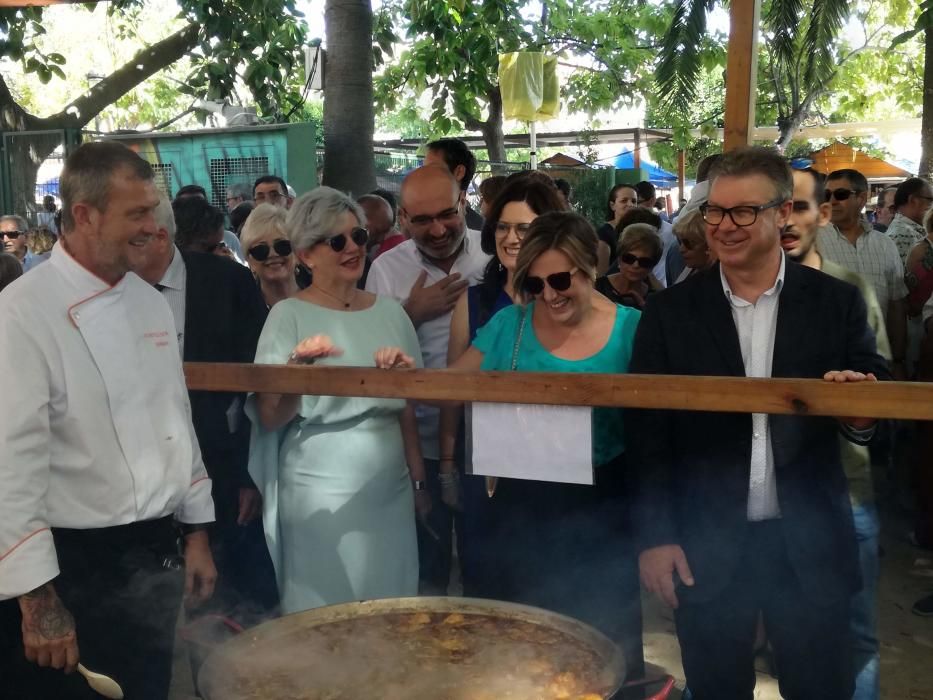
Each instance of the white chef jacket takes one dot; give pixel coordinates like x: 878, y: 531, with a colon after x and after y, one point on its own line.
x: 393, y: 274
x: 95, y: 425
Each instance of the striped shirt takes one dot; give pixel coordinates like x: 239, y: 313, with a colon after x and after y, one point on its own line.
x: 874, y: 256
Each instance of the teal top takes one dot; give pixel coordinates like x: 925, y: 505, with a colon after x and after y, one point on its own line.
x: 496, y: 340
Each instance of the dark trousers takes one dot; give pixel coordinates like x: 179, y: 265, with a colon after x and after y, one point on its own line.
x: 435, y: 547
x: 246, y: 588
x: 562, y: 547
x: 810, y: 640
x: 123, y: 585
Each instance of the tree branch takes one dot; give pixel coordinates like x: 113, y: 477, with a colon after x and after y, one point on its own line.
x: 12, y: 116
x: 144, y: 64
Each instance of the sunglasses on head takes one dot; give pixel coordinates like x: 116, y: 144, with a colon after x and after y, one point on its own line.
x: 260, y: 251
x: 12, y: 235
x: 558, y: 281
x: 644, y: 263
x: 841, y: 194
x: 358, y: 235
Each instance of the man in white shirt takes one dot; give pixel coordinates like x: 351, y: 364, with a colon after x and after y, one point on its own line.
x: 98, y: 457
x: 427, y: 274
x: 740, y: 515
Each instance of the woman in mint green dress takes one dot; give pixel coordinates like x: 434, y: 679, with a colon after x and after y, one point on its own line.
x: 565, y: 547
x: 337, y: 473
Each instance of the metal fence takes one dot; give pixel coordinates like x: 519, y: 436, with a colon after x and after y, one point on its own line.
x: 30, y: 164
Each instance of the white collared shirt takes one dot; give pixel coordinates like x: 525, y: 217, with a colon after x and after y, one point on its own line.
x: 756, y: 325
x: 95, y: 425
x: 393, y: 274
x: 173, y: 289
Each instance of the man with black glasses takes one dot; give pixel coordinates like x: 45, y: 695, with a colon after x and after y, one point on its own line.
x: 13, y: 236
x: 271, y: 189
x: 747, y: 514
x: 427, y: 274
x: 853, y: 243
x: 912, y: 200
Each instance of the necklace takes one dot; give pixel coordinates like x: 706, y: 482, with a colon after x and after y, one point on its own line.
x: 346, y: 304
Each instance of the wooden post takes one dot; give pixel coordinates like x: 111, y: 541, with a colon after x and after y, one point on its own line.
x: 636, y: 148
x: 741, y: 85
x: 681, y: 174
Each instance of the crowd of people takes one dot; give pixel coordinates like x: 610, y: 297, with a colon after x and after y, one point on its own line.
x: 751, y: 527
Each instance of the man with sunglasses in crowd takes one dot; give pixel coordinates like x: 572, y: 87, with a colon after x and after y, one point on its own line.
x: 740, y: 515
x: 884, y: 209
x: 811, y: 212
x: 13, y: 230
x: 219, y: 314
x: 852, y: 242
x: 427, y: 274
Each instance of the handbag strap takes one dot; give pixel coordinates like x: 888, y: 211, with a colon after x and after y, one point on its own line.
x: 518, y: 339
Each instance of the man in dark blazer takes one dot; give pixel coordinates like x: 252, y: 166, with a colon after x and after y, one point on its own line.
x: 220, y: 311
x: 738, y: 515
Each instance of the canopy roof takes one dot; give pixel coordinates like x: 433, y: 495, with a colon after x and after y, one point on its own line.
x: 837, y: 156
x: 656, y: 175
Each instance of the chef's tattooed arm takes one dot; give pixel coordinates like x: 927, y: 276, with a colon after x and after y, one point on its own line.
x: 49, y: 637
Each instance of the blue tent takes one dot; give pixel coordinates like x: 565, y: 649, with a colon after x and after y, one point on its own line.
x: 656, y: 175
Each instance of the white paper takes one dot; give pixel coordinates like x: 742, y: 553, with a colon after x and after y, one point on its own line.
x: 526, y: 441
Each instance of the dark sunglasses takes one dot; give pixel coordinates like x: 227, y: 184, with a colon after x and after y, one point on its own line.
x: 358, y: 235
x: 12, y: 235
x: 260, y: 251
x: 558, y: 281
x: 840, y: 194
x: 644, y: 263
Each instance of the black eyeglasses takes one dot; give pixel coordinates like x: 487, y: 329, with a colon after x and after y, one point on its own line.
x: 503, y: 229
x: 558, y: 281
x: 447, y: 216
x: 742, y: 215
x: 260, y: 251
x: 841, y: 194
x: 644, y: 263
x: 12, y: 235
x: 358, y: 235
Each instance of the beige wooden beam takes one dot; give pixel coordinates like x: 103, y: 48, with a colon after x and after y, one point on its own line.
x: 729, y: 394
x: 741, y: 78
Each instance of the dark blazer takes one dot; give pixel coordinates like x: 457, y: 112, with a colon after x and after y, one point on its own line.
x: 691, y: 469
x: 224, y: 315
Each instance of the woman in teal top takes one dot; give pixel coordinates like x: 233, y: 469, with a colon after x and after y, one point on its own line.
x: 564, y: 546
x: 339, y: 476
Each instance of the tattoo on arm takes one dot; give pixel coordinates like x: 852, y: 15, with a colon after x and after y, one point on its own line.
x: 44, y: 611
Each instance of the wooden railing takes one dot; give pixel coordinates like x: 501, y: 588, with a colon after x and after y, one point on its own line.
x: 729, y: 394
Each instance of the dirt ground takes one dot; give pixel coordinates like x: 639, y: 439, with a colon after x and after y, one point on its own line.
x: 906, y: 639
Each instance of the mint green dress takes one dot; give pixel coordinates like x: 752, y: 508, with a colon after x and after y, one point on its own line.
x: 338, y: 506
x: 496, y: 340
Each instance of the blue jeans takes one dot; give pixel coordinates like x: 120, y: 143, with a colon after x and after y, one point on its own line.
x: 864, y: 621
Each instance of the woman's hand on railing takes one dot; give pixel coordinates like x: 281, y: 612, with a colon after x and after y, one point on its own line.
x: 393, y: 358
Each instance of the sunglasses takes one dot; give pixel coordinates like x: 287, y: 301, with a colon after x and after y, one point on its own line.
x: 358, y: 235
x: 644, y: 263
x: 260, y: 251
x: 840, y: 194
x: 12, y: 235
x: 558, y: 281
x: 687, y: 243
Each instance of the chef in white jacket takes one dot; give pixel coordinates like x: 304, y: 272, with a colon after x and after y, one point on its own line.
x: 100, y: 470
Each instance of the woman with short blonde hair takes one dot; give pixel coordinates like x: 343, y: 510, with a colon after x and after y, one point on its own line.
x: 690, y: 232
x: 269, y: 253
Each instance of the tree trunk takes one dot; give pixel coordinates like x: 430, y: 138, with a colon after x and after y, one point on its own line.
x: 349, y: 116
x: 926, y: 126
x: 491, y: 129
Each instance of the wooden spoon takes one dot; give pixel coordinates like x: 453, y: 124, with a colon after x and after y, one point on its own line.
x: 104, y: 685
